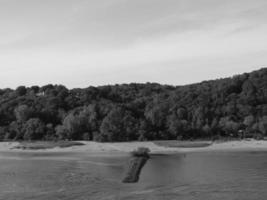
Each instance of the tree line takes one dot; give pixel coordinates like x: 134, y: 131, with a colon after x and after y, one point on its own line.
x: 227, y: 107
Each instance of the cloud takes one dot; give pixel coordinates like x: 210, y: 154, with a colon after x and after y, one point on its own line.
x: 99, y: 42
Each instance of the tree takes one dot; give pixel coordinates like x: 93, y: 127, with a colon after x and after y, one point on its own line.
x: 21, y: 90
x: 3, y: 131
x: 62, y: 132
x: 263, y: 125
x: 23, y: 113
x: 90, y: 116
x: 175, y: 126
x: 207, y: 131
x: 249, y: 120
x: 35, y: 89
x: 79, y: 124
x: 118, y: 125
x: 181, y: 113
x: 156, y: 113
x: 73, y: 127
x: 229, y: 126
x: 144, y: 130
x: 34, y: 129
x: 50, y: 132
x: 15, y: 131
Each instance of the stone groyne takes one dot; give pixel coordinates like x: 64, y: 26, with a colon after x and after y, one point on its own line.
x: 136, y: 163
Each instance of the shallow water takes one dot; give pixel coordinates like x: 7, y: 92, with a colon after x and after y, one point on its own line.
x: 236, y: 175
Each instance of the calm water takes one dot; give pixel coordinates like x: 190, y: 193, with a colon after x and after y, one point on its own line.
x: 200, y: 176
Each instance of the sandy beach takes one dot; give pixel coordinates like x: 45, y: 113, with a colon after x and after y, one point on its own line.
x: 126, y: 147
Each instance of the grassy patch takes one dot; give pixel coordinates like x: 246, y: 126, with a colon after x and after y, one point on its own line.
x: 38, y: 145
x: 183, y: 144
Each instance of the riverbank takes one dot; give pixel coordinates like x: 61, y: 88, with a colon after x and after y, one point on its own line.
x: 155, y: 147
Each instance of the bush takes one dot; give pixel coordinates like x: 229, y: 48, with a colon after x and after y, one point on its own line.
x: 141, y: 152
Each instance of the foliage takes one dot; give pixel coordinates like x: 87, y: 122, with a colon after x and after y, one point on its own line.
x: 141, y: 152
x: 210, y: 109
x: 34, y: 129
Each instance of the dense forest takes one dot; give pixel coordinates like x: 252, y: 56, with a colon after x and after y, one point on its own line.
x: 229, y: 107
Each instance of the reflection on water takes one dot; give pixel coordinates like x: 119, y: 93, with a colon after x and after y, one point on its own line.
x: 183, y: 176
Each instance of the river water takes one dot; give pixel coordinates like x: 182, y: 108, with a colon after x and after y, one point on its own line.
x: 80, y: 176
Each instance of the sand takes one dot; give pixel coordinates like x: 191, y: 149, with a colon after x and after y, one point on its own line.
x: 126, y: 147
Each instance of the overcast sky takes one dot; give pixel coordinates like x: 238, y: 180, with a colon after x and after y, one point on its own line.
x: 95, y: 42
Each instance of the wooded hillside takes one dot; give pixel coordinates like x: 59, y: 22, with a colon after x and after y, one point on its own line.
x: 224, y: 107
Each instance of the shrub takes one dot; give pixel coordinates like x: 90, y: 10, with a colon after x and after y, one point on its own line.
x: 141, y: 152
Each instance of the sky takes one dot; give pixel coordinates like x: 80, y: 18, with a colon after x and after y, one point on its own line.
x: 79, y: 43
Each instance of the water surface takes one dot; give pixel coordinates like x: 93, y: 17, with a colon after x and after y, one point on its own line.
x: 68, y: 176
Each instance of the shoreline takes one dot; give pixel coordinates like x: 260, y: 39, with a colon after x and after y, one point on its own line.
x: 127, y: 147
